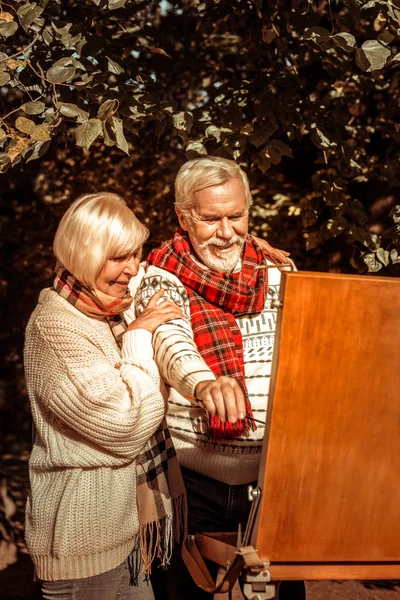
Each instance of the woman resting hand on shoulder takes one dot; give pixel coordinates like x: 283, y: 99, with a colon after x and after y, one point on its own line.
x: 100, y: 478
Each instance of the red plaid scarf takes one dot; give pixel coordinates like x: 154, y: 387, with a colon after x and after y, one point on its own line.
x: 160, y: 493
x: 215, y: 299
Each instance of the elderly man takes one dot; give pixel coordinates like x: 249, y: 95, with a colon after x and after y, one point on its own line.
x: 220, y: 358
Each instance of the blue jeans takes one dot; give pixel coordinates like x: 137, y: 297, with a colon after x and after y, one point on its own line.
x: 213, y: 506
x: 112, y: 585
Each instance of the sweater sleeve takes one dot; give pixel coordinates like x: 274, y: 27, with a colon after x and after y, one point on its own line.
x: 116, y: 407
x: 175, y: 351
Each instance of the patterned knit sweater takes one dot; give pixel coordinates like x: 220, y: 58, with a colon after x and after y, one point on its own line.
x: 233, y: 461
x: 93, y: 411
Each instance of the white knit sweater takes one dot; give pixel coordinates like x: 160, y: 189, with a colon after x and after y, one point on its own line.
x: 93, y: 408
x: 233, y: 461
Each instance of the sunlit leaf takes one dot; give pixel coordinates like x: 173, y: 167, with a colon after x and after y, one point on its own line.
x: 114, y: 67
x: 4, y: 78
x: 6, y: 16
x: 118, y: 130
x: 41, y: 133
x: 30, y: 16
x: 383, y: 256
x: 394, y: 255
x: 33, y: 108
x: 372, y: 263
x: 345, y: 40
x: 114, y: 4
x: 72, y: 111
x: 395, y: 213
x: 183, y: 121
x: 39, y: 149
x: 59, y: 74
x: 8, y: 28
x: 107, y: 109
x: 88, y: 132
x: 372, y: 55
x: 25, y: 125
x: 213, y: 131
x: 193, y: 149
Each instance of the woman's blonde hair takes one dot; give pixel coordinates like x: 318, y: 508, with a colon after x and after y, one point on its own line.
x: 95, y: 228
x: 203, y: 172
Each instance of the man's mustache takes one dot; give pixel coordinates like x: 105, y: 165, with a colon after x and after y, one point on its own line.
x: 221, y: 244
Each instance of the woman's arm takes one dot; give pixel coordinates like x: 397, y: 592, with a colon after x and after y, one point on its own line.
x: 116, y: 407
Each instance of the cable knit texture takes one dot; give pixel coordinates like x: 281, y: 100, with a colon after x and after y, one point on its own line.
x: 234, y: 461
x: 93, y: 409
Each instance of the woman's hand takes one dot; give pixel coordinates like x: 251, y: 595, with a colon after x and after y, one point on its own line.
x: 278, y: 256
x: 155, y: 314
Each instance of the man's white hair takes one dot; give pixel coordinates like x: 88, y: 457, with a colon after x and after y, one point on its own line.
x: 203, y: 172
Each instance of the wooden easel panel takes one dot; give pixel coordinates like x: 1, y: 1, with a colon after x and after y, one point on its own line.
x: 331, y: 485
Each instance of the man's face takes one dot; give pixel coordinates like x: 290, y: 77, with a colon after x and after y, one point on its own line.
x: 218, y: 224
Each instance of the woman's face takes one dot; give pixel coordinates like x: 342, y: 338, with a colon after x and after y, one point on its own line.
x: 117, y: 272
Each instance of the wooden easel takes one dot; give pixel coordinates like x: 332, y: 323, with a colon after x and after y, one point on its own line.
x: 329, y: 483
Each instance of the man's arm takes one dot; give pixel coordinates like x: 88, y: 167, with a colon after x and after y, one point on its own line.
x: 177, y: 357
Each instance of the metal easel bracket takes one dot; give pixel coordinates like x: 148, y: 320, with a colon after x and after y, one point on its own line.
x: 256, y: 576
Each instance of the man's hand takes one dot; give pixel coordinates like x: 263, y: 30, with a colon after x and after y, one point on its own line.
x: 224, y: 397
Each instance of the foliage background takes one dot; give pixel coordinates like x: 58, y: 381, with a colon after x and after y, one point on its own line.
x: 116, y: 94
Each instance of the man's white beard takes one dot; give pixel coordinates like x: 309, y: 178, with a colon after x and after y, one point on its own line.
x: 228, y: 263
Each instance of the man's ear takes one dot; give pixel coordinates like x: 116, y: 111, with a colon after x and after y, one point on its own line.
x: 183, y: 222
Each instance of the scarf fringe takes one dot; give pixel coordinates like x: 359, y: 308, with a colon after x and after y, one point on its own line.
x: 157, y: 538
x: 221, y: 429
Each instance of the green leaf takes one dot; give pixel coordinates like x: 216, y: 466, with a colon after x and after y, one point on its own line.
x: 183, y: 121
x: 34, y: 108
x: 262, y: 135
x: 309, y: 215
x: 86, y: 133
x: 213, y: 131
x: 38, y: 150
x: 394, y: 255
x: 59, y: 74
x: 65, y: 61
x: 8, y: 28
x: 383, y: 256
x: 372, y: 55
x: 283, y: 148
x: 108, y: 134
x: 4, y: 78
x: 373, y: 3
x: 262, y: 162
x: 345, y: 40
x: 114, y: 67
x: 193, y: 149
x: 41, y: 133
x: 30, y: 16
x: 136, y: 113
x: 72, y: 111
x: 118, y: 130
x: 320, y: 138
x: 107, y: 109
x: 313, y: 240
x: 372, y: 263
x: 25, y: 125
x: 4, y: 158
x: 316, y: 33
x: 395, y: 213
x: 114, y: 4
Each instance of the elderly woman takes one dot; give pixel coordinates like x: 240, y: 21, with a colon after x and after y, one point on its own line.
x: 103, y: 470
